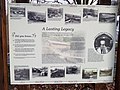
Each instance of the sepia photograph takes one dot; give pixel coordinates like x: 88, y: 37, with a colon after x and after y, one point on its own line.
x: 105, y: 72
x: 58, y: 49
x: 89, y: 73
x: 72, y: 70
x: 103, y: 43
x: 90, y: 14
x: 55, y: 14
x: 36, y: 17
x: 70, y: 18
x: 107, y: 17
x: 39, y: 72
x: 57, y: 72
x: 22, y: 74
x: 17, y: 12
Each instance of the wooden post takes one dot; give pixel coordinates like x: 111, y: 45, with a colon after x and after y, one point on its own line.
x: 1, y: 60
x: 3, y: 48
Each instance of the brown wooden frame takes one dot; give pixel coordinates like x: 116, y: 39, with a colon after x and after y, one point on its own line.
x: 3, y: 48
x: 1, y: 58
x: 3, y: 55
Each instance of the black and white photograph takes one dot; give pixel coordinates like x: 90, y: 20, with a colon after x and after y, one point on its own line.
x: 73, y: 70
x: 57, y: 72
x: 36, y: 17
x: 90, y: 14
x: 55, y: 13
x: 61, y: 49
x: 74, y: 19
x: 105, y: 72
x: 40, y: 72
x: 53, y: 1
x: 17, y: 12
x: 107, y: 17
x: 89, y: 73
x: 103, y: 43
x: 21, y: 74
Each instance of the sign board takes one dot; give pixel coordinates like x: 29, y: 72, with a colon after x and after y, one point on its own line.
x: 56, y: 44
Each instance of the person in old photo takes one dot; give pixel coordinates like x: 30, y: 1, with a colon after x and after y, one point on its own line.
x: 103, y: 49
x: 103, y: 43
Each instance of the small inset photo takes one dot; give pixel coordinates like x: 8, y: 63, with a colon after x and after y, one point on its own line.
x: 103, y: 43
x: 107, y: 17
x: 72, y: 70
x: 105, y: 72
x: 89, y: 73
x: 57, y: 72
x: 39, y: 72
x: 55, y: 14
x: 90, y: 14
x: 17, y: 12
x: 74, y: 19
x: 21, y: 73
x: 36, y: 17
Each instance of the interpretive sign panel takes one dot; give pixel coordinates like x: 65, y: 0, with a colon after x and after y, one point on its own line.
x: 55, y: 44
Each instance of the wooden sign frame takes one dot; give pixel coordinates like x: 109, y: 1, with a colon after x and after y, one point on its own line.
x: 4, y: 84
x: 3, y: 48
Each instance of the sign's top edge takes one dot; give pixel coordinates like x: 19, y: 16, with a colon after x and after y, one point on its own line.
x: 71, y: 5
